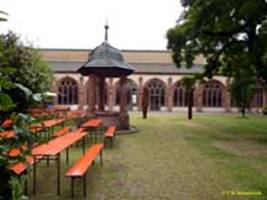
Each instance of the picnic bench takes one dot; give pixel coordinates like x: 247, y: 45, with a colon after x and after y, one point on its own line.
x: 110, y: 134
x: 53, y: 149
x: 92, y: 126
x: 61, y: 132
x: 81, y: 167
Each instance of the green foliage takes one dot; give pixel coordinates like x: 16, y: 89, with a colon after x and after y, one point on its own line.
x: 188, y: 82
x: 30, y: 71
x: 3, y: 17
x: 22, y: 73
x: 225, y: 32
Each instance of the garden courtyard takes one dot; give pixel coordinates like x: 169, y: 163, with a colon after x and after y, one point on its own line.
x: 173, y: 158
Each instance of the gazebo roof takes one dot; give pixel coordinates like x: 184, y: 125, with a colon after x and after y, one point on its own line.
x: 105, y: 60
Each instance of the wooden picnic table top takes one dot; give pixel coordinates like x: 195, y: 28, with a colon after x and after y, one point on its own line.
x: 7, y: 134
x: 59, y: 144
x: 46, y: 124
x: 92, y: 123
x: 7, y: 123
x: 76, y: 114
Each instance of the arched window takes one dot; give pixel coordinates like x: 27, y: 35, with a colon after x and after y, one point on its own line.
x: 258, y: 99
x: 179, y: 96
x: 156, y: 90
x: 67, y: 92
x: 132, y: 96
x: 212, y: 94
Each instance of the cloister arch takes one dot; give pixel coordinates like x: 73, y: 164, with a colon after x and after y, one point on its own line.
x: 132, y: 93
x: 179, y: 95
x: 157, y: 89
x: 67, y: 90
x: 213, y: 93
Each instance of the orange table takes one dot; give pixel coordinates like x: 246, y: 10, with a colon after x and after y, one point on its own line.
x: 48, y: 124
x: 54, y: 148
x: 7, y: 134
x: 92, y: 123
x: 7, y: 123
x: 91, y: 126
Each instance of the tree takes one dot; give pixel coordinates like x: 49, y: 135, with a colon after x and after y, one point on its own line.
x: 30, y: 70
x: 188, y: 83
x: 242, y: 88
x: 11, y: 86
x: 227, y: 33
x: 221, y: 30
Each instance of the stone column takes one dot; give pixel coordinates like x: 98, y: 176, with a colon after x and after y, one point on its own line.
x: 124, y: 118
x: 110, y: 94
x: 54, y: 90
x: 101, y: 94
x: 140, y: 92
x: 81, y: 94
x: 169, y: 94
x: 227, y: 97
x: 199, y: 97
x: 92, y: 93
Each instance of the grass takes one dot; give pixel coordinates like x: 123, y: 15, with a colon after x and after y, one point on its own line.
x: 172, y: 158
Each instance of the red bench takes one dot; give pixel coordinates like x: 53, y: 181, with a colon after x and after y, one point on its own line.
x: 110, y: 134
x: 61, y: 132
x: 81, y: 166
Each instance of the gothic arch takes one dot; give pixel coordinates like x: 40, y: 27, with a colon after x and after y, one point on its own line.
x: 157, y: 89
x: 213, y: 94
x: 179, y: 95
x: 68, y: 91
x: 132, y: 93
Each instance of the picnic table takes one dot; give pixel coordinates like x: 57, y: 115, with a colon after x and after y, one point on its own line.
x: 47, y: 125
x: 7, y: 134
x: 92, y: 126
x: 53, y: 149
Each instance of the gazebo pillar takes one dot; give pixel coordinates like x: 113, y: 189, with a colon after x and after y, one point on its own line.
x: 92, y: 93
x: 101, y: 94
x: 124, y: 118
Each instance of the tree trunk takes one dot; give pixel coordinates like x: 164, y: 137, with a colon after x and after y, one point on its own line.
x: 243, y: 111
x: 190, y: 104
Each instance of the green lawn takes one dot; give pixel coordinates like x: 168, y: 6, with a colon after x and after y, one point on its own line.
x: 172, y: 158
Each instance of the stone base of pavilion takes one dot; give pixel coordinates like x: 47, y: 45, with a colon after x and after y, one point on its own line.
x: 115, y: 119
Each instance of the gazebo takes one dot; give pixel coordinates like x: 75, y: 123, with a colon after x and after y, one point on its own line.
x: 106, y: 61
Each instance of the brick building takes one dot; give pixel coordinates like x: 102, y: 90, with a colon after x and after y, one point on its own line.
x: 154, y: 70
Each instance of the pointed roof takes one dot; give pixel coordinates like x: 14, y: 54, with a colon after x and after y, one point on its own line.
x: 106, y: 60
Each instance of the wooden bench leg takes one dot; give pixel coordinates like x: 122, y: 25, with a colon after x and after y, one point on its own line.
x: 47, y: 160
x: 34, y: 176
x: 58, y: 174
x: 83, y: 141
x: 72, y: 187
x: 26, y: 184
x: 101, y: 157
x: 67, y: 156
x: 84, y: 186
x: 111, y: 142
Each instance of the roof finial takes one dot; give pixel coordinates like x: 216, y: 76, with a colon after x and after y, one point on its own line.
x: 106, y: 31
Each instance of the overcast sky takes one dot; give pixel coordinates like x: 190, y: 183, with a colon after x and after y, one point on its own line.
x: 134, y: 24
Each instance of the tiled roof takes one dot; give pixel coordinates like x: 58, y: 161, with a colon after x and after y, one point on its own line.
x: 151, y: 68
x: 144, y: 61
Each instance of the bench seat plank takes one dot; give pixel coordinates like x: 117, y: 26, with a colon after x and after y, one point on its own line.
x: 110, y: 131
x: 62, y: 131
x: 80, y: 168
